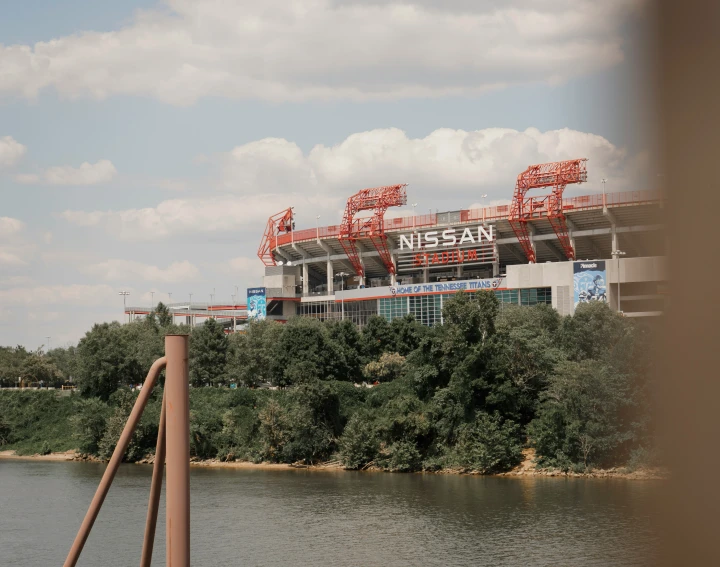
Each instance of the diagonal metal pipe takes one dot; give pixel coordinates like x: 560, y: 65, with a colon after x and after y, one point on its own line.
x: 155, y: 489
x: 114, y: 463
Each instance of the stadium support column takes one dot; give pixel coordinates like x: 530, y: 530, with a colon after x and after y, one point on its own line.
x: 496, y: 260
x: 613, y: 229
x: 330, y: 277
x: 393, y: 276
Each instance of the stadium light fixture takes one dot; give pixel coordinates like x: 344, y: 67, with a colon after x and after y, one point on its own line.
x: 317, y: 227
x: 125, y: 294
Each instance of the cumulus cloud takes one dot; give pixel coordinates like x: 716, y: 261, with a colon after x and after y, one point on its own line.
x: 10, y: 259
x: 325, y: 49
x: 87, y: 174
x: 449, y: 168
x: 125, y: 270
x: 76, y: 294
x: 10, y: 226
x: 10, y: 150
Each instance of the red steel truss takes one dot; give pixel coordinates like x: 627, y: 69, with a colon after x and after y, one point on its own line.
x: 373, y: 227
x: 277, y: 224
x: 556, y: 175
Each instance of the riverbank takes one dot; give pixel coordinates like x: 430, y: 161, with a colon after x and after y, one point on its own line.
x: 526, y: 469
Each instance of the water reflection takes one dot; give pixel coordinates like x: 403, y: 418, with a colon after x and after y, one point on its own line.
x: 272, y: 518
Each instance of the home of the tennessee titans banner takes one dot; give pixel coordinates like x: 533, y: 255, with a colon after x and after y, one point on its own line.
x: 590, y: 281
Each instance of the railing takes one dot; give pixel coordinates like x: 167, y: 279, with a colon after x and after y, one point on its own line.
x: 173, y: 448
x: 499, y: 212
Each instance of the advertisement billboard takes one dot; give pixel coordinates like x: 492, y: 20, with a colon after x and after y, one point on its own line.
x: 256, y: 303
x: 589, y: 279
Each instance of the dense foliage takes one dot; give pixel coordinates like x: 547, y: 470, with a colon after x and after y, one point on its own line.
x: 469, y: 394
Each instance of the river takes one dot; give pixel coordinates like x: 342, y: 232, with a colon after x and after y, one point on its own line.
x: 297, y: 517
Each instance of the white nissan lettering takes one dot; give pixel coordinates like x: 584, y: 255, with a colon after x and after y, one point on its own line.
x: 449, y: 238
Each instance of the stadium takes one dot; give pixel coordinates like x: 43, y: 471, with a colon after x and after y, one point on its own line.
x: 540, y: 248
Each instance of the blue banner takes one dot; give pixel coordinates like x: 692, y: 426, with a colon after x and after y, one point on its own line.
x: 256, y: 303
x: 589, y: 280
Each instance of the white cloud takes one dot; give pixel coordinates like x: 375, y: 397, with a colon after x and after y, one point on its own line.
x: 249, y: 269
x: 8, y: 258
x: 87, y: 174
x: 76, y: 294
x: 222, y: 213
x: 10, y: 226
x: 448, y: 169
x: 325, y: 49
x: 11, y: 151
x: 128, y: 270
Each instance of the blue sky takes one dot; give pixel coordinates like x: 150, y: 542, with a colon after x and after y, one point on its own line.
x: 143, y: 144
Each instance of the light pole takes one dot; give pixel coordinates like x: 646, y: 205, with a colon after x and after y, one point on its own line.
x: 236, y: 292
x: 603, y: 181
x: 152, y: 301
x: 125, y: 294
x: 414, y: 214
x: 211, y: 301
x: 617, y: 254
x: 169, y: 296
x: 317, y: 227
x: 48, y: 344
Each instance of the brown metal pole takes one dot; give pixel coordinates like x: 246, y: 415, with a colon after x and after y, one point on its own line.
x: 155, y: 489
x: 177, y: 493
x: 114, y: 463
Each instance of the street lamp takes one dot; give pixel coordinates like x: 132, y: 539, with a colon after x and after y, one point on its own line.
x: 48, y: 344
x: 125, y: 294
x: 617, y: 254
x: 603, y: 181
x: 152, y: 300
x: 317, y: 227
x: 169, y: 296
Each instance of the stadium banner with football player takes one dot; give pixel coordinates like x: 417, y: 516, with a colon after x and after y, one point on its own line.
x: 256, y: 303
x: 589, y: 280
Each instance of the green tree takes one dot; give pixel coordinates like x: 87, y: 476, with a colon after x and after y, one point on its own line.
x: 360, y: 443
x: 105, y: 360
x: 387, y: 368
x: 37, y: 368
x: 488, y: 444
x: 304, y: 353
x: 164, y: 317
x: 11, y: 361
x: 251, y: 354
x: 208, y: 354
x: 579, y: 421
x: 88, y: 424
x: 347, y: 341
x: 376, y: 338
x: 592, y: 331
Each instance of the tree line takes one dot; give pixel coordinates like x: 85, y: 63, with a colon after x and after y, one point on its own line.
x: 470, y: 394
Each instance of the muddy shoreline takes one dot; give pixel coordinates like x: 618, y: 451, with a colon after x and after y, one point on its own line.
x: 524, y: 470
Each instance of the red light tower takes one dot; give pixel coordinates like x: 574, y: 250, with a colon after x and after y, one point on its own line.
x: 277, y: 224
x: 556, y: 175
x: 373, y: 227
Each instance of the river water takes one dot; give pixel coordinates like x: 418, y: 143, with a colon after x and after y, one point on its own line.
x: 273, y: 518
